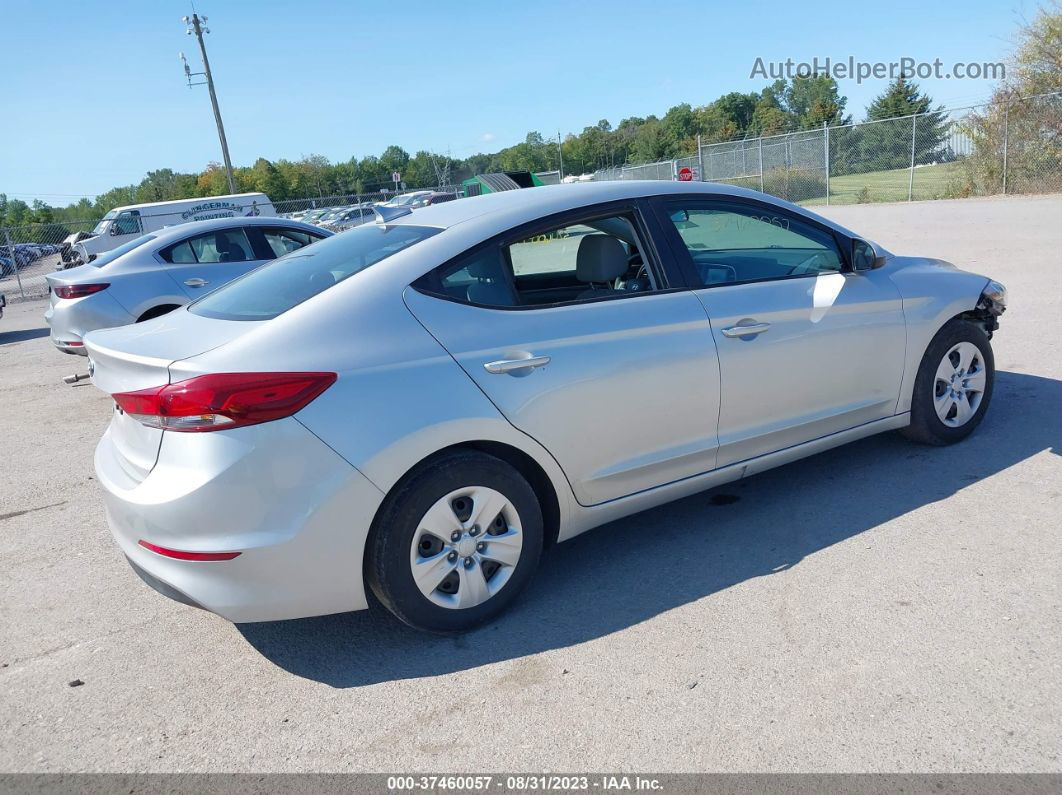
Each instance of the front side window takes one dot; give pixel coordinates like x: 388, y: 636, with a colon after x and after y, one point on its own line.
x: 739, y: 243
x: 296, y: 277
x: 596, y: 258
x: 104, y: 223
x: 127, y: 223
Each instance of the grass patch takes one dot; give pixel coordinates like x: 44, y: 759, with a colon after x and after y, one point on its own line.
x: 930, y: 182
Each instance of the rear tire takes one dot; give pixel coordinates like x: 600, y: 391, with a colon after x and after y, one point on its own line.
x: 455, y: 542
x: 954, y: 385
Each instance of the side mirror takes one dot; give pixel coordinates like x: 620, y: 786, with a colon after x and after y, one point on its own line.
x: 864, y: 257
x: 114, y: 231
x: 679, y: 216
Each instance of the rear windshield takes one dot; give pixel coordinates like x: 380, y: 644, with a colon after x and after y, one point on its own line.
x: 287, y: 281
x: 125, y: 248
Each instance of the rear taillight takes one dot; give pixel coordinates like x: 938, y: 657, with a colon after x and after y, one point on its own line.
x: 225, y: 400
x: 80, y: 290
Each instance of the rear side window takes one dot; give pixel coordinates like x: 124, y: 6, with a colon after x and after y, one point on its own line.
x: 181, y: 253
x: 225, y: 245
x: 288, y: 281
x: 228, y: 245
x: 284, y: 241
x: 598, y: 258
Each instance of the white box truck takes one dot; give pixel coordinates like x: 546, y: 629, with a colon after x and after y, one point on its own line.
x: 123, y: 224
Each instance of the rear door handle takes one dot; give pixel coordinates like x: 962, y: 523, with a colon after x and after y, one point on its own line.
x: 746, y: 331
x: 197, y: 282
x: 508, y: 365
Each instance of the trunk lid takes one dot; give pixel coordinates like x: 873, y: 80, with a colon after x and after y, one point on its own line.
x: 138, y: 356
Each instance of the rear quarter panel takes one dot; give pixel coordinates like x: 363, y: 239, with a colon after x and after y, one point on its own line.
x: 145, y: 288
x: 399, y: 397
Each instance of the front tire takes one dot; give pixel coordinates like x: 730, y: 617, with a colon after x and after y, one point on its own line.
x: 455, y: 543
x: 954, y: 385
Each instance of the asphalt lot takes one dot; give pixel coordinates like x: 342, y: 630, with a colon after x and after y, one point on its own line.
x: 880, y: 607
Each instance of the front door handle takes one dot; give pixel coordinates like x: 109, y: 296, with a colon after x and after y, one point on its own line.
x: 746, y: 331
x: 508, y: 365
x: 197, y: 282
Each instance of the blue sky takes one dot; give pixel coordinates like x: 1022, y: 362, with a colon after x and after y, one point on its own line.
x: 95, y: 96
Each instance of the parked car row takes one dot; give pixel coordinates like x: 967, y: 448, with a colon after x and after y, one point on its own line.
x: 418, y: 406
x: 347, y: 216
x: 19, y: 255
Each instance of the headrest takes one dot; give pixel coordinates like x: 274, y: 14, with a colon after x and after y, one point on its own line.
x: 601, y: 258
x: 484, y: 265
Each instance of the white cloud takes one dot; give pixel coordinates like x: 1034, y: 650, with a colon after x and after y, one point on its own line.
x: 487, y: 137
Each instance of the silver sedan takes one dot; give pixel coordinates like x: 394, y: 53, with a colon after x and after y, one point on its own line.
x: 421, y: 405
x: 158, y: 272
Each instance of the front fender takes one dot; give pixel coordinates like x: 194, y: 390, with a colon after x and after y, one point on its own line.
x: 933, y: 292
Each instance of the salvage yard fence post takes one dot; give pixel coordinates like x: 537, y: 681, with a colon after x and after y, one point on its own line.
x: 14, y: 260
x: 826, y: 156
x: 1006, y: 141
x: 761, y: 163
x: 910, y: 178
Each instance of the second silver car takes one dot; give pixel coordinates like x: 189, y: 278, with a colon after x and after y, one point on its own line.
x: 158, y: 272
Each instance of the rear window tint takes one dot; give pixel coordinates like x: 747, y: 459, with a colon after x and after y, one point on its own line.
x: 283, y: 283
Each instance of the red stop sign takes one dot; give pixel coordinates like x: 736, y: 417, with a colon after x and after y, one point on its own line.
x: 685, y: 174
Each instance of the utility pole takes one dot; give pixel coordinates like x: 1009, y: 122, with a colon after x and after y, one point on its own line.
x: 199, y: 30
x: 560, y: 155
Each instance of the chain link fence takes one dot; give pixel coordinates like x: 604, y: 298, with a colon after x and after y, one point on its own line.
x: 1012, y: 146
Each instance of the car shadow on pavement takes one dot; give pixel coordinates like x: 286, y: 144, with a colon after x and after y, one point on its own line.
x: 22, y: 335
x: 633, y: 569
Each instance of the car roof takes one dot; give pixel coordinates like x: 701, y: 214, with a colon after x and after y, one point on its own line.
x: 179, y: 231
x: 548, y: 199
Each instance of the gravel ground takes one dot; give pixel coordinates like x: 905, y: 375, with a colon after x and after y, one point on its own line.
x: 880, y: 607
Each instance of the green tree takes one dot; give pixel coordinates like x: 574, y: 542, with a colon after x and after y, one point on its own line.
x: 266, y: 178
x: 811, y: 101
x: 1019, y: 114
x: 888, y: 144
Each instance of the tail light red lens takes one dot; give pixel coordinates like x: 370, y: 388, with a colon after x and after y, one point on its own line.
x: 80, y: 290
x: 224, y: 400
